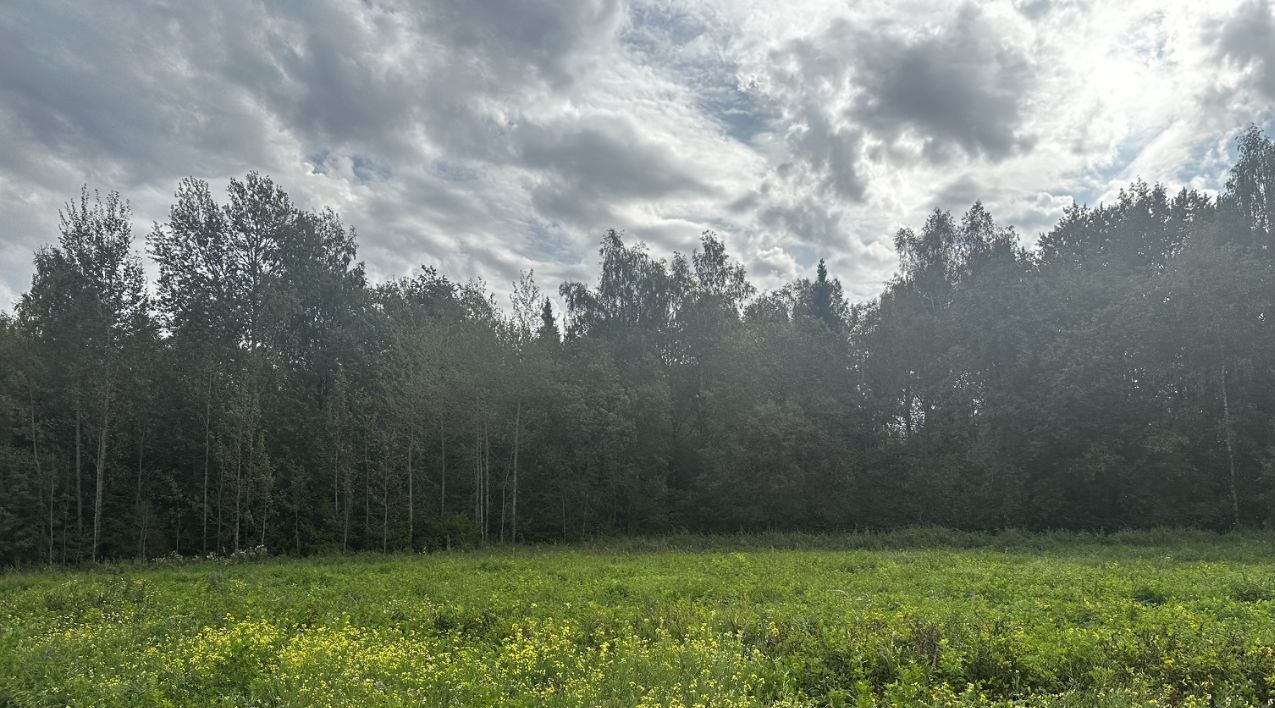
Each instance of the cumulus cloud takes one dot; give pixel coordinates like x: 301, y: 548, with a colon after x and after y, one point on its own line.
x: 587, y: 168
x: 486, y: 138
x: 1246, y: 39
x: 962, y: 85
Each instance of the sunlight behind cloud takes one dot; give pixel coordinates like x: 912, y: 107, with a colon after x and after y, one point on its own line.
x: 796, y: 131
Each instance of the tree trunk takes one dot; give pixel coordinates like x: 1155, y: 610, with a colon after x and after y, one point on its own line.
x: 266, y: 487
x: 35, y: 458
x: 221, y: 498
x: 207, y: 450
x: 385, y: 502
x: 1230, y: 452
x: 347, y: 498
x: 79, y: 483
x: 442, y: 470
x: 101, y: 478
x: 66, y: 523
x: 907, y: 413
x: 478, y: 483
x: 52, y: 493
x: 514, y: 508
x: 411, y: 508
x: 141, y: 513
x: 349, y: 511
x: 486, y: 481
x: 266, y: 495
x: 144, y: 519
x: 238, y: 488
x: 367, y: 492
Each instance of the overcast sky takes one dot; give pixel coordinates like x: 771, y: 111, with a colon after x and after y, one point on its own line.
x: 491, y: 136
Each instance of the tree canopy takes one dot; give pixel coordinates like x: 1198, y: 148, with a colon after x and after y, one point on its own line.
x: 261, y: 391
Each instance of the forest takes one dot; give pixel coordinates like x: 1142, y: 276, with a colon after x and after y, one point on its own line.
x: 262, y: 391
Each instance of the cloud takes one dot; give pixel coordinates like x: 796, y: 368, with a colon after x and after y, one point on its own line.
x: 490, y: 137
x: 953, y: 91
x: 1246, y: 39
x: 960, y: 86
x: 601, y: 161
x: 960, y: 192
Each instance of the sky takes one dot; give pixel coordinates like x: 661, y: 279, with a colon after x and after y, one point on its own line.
x: 488, y: 137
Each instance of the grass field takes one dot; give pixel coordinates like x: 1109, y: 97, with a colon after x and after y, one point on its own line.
x: 925, y: 617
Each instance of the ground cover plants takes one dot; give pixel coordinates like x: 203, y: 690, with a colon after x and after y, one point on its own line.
x: 927, y: 617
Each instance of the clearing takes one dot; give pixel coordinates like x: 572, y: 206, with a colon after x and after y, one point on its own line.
x: 926, y: 617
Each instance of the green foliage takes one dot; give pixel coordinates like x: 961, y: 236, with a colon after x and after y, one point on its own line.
x: 1117, y: 375
x: 922, y: 617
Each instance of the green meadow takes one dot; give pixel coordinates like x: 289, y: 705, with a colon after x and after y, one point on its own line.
x: 924, y: 617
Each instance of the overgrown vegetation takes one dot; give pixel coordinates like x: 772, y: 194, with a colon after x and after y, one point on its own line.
x: 262, y: 392
x: 917, y: 617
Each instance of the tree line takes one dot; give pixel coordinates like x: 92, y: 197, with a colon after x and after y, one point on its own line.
x: 261, y: 391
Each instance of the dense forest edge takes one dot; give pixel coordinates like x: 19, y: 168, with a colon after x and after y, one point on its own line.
x: 262, y: 392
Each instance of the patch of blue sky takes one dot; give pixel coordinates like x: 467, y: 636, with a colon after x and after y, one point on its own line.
x: 319, y: 161
x: 368, y: 170
x: 453, y: 171
x: 661, y: 35
x: 364, y: 168
x: 550, y: 243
